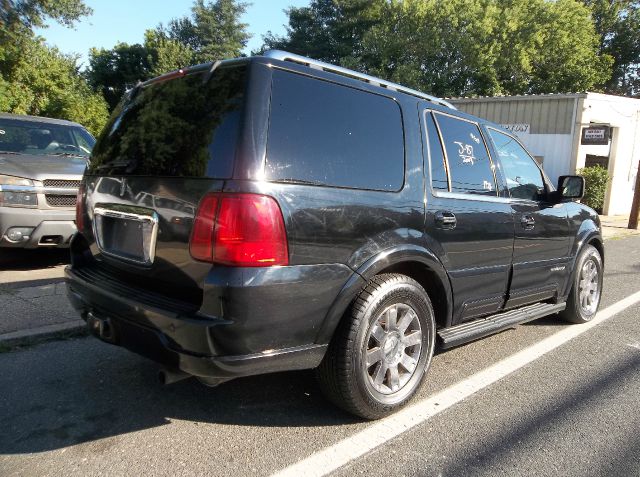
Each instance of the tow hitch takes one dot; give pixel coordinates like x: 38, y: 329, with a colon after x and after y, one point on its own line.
x: 101, y: 327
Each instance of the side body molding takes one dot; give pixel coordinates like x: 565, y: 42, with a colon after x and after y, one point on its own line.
x: 385, y: 259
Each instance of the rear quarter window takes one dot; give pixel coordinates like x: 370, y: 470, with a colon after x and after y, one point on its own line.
x: 328, y: 134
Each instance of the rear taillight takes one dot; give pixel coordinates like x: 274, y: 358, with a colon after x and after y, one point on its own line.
x: 243, y: 230
x: 201, y: 245
x: 80, y: 207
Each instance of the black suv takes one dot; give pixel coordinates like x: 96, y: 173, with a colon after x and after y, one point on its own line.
x: 274, y: 213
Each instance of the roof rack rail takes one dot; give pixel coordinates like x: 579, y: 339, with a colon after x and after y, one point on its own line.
x: 321, y: 65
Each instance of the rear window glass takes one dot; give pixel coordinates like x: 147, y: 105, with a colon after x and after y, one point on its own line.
x: 184, y: 126
x: 327, y: 134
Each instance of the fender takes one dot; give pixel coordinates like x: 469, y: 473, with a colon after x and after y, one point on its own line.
x: 373, y: 266
x: 588, y: 231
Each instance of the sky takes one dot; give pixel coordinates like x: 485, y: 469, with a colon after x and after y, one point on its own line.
x: 116, y: 21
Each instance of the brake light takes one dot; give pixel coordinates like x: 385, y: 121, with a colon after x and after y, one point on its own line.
x: 80, y: 207
x: 201, y: 245
x: 243, y: 230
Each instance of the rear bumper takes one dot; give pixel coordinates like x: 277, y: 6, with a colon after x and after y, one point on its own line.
x: 205, y: 345
x: 49, y: 228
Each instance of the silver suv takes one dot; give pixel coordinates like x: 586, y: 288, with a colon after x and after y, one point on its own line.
x: 41, y: 164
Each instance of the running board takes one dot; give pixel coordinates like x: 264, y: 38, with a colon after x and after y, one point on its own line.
x: 473, y: 330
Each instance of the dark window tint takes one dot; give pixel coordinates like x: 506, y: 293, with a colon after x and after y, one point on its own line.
x: 185, y: 126
x: 323, y: 133
x: 469, y: 164
x: 524, y: 179
x: 438, y: 170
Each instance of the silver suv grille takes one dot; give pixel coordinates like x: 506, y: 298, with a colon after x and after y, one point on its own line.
x: 61, y: 200
x: 61, y: 183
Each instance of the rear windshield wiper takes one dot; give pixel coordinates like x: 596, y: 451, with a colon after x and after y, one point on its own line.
x: 301, y: 181
x: 68, y: 154
x: 209, y: 74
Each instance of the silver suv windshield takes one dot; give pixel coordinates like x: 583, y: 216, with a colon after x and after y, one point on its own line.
x: 35, y: 138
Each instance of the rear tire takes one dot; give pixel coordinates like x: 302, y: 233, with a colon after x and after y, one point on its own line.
x: 586, y: 290
x: 381, y: 349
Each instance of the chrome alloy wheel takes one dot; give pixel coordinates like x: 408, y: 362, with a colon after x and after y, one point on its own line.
x: 589, y: 287
x: 393, y: 347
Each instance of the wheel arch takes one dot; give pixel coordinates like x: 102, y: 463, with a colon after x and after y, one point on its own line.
x: 411, y: 260
x: 589, y: 234
x: 598, y: 243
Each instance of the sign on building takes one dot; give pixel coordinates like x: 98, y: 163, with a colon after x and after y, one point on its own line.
x: 517, y: 128
x: 595, y: 136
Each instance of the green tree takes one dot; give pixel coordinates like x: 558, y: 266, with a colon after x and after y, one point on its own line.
x: 165, y: 54
x: 213, y: 31
x: 617, y: 23
x: 455, y: 47
x: 19, y: 17
x: 36, y: 79
x: 329, y: 30
x: 113, y: 71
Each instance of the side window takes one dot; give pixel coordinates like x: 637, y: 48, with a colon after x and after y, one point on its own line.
x: 328, y: 134
x: 470, y: 168
x: 524, y: 179
x: 439, y: 179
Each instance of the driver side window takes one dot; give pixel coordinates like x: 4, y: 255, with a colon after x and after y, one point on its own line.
x: 524, y: 179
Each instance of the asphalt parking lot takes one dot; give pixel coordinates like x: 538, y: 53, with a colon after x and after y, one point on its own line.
x: 81, y: 407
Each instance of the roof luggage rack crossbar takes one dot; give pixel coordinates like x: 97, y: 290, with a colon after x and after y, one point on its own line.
x: 321, y: 65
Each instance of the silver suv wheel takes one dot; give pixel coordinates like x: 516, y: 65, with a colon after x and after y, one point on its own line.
x: 393, y: 347
x: 589, y: 286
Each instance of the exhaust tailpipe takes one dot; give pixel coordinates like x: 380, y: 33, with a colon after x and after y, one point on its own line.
x: 167, y: 376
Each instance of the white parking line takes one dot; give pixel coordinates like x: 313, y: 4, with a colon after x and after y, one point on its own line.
x: 332, y: 458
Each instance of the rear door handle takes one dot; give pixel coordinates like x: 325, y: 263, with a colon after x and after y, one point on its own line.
x: 527, y: 222
x: 446, y: 219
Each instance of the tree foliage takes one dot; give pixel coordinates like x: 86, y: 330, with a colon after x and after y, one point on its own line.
x: 455, y: 47
x: 212, y: 31
x: 596, y: 180
x: 328, y: 30
x: 37, y: 79
x: 112, y: 71
x: 19, y: 17
x: 617, y: 23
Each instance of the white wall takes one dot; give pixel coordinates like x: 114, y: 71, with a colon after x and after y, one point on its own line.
x: 623, y: 114
x: 556, y: 150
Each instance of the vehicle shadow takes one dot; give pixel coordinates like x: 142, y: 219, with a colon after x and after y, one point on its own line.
x: 551, y: 320
x: 71, y: 392
x: 15, y: 259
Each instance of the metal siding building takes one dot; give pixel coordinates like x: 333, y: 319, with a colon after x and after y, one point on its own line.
x: 550, y: 126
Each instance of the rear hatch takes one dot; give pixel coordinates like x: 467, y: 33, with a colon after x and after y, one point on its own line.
x: 168, y: 143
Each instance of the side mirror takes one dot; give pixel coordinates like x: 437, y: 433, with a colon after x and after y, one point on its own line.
x: 571, y: 187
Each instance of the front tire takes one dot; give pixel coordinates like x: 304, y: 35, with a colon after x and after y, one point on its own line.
x: 586, y: 290
x: 382, y: 348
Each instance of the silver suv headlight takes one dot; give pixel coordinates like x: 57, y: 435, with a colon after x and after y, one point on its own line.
x: 17, y: 192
